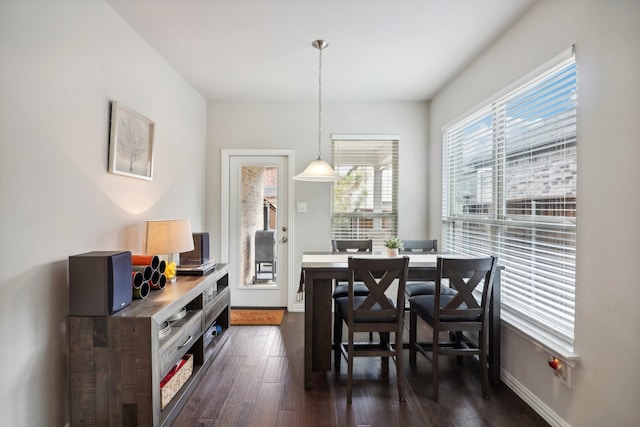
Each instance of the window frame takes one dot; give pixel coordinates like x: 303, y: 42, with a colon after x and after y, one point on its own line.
x: 390, y: 216
x: 500, y: 215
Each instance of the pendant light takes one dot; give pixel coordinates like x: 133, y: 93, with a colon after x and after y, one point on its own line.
x: 319, y: 170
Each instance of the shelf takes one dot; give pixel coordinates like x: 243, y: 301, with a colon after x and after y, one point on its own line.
x: 215, y: 345
x: 184, y: 333
x: 116, y: 362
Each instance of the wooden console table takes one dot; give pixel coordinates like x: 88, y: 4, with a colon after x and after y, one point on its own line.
x: 116, y: 362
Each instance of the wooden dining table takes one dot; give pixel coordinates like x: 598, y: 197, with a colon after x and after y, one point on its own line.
x: 319, y: 270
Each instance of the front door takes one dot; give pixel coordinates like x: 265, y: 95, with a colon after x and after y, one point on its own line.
x: 258, y: 222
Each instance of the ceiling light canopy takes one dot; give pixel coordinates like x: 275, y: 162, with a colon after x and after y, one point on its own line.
x: 319, y: 170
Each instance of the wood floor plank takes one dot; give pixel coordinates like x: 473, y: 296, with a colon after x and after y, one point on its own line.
x: 244, y: 415
x: 258, y: 380
x: 226, y: 406
x: 276, y: 370
x: 287, y: 419
x: 265, y: 411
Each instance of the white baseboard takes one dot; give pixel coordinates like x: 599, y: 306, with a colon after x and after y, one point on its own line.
x: 532, y: 400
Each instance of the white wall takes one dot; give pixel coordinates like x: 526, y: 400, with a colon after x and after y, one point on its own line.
x: 606, y: 383
x: 291, y: 125
x: 62, y: 63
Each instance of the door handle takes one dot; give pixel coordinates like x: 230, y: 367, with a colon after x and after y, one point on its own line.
x: 186, y: 342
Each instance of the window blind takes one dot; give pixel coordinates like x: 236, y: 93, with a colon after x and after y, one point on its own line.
x: 509, y: 189
x: 364, y: 203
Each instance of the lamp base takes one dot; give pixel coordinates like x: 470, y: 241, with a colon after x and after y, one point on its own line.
x: 170, y: 271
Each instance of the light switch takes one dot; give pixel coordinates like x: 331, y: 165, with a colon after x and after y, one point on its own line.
x: 302, y: 207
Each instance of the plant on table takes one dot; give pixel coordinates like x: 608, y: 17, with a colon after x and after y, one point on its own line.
x: 393, y: 243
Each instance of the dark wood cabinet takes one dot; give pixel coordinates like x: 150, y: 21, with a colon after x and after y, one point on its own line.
x: 116, y: 363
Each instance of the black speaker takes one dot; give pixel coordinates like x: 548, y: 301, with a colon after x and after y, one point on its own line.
x: 100, y: 283
x: 200, y: 253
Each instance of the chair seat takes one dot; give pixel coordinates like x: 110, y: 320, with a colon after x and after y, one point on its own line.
x: 424, y: 306
x: 359, y: 289
x: 343, y: 304
x: 426, y: 288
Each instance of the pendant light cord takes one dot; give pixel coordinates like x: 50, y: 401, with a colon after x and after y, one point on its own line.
x: 320, y: 103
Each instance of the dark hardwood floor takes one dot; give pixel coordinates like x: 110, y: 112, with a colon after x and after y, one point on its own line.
x: 257, y: 380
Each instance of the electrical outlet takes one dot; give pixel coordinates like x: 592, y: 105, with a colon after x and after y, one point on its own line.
x: 565, y: 376
x: 561, y: 370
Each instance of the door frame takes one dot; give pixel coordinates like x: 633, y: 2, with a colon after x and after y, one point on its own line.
x: 225, y: 207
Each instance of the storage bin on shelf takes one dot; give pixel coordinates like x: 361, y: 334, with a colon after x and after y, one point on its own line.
x: 175, y: 379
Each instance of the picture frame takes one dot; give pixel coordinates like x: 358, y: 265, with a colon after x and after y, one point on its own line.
x: 130, y: 143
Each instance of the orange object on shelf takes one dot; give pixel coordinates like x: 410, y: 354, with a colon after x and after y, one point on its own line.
x: 151, y: 260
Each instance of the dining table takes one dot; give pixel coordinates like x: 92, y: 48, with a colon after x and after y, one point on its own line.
x: 319, y: 270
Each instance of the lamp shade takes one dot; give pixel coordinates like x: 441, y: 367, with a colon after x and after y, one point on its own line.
x: 168, y: 236
x: 318, y: 171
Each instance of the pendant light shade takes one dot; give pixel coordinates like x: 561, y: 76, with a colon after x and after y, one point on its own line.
x: 319, y: 170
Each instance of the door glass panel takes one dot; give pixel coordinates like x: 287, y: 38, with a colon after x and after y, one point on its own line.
x: 258, y: 250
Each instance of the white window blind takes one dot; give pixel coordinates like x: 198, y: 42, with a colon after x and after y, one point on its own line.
x: 364, y: 203
x: 509, y: 189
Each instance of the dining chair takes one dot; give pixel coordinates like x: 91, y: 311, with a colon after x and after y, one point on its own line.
x: 421, y: 287
x: 375, y: 312
x: 341, y: 290
x: 413, y: 246
x: 455, y: 314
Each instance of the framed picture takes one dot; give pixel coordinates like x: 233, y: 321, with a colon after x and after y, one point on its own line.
x: 130, y: 143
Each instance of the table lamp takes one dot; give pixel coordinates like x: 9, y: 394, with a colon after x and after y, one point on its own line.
x: 167, y: 238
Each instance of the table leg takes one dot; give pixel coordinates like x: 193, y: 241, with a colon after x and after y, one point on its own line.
x: 317, y: 351
x: 308, y: 328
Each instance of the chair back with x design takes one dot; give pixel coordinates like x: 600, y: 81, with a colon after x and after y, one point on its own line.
x: 455, y: 313
x: 341, y: 288
x: 465, y: 276
x: 375, y: 312
x: 375, y: 304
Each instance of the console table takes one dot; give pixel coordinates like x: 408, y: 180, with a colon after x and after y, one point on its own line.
x: 116, y: 363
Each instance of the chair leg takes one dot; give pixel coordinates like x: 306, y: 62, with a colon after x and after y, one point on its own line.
x: 457, y: 338
x: 350, y: 366
x: 434, y: 364
x: 413, y: 321
x: 483, y: 365
x: 337, y: 337
x: 399, y: 365
x: 385, y: 340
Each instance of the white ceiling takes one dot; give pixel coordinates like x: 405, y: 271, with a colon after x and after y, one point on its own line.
x: 379, y: 50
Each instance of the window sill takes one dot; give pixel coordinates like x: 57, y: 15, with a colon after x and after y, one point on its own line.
x: 554, y: 347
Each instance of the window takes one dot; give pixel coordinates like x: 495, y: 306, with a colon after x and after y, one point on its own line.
x: 509, y: 189
x: 364, y: 203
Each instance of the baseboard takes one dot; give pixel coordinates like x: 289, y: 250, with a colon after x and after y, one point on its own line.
x: 532, y: 400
